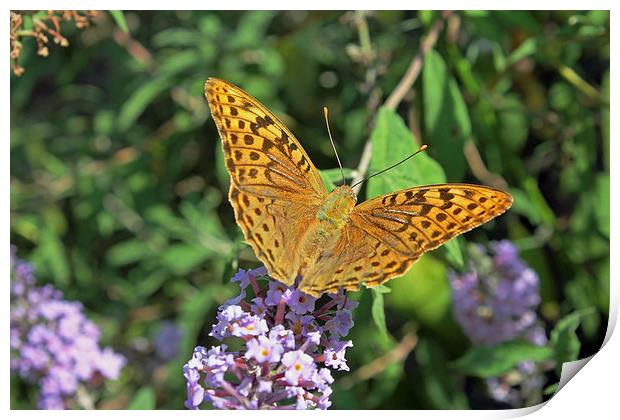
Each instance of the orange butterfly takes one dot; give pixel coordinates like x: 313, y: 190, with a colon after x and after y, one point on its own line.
x: 297, y: 228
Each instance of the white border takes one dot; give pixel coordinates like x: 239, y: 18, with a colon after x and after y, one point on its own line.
x: 592, y: 393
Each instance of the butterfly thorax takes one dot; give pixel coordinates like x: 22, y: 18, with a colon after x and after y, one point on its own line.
x: 337, y: 207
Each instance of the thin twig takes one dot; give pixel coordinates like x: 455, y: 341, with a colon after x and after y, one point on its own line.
x: 374, y: 368
x: 403, y: 87
x: 364, y: 37
x: 413, y: 71
x: 479, y: 169
x: 362, y: 167
x: 579, y: 82
x: 135, y: 49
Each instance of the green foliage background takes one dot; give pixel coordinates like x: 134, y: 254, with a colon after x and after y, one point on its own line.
x: 118, y: 184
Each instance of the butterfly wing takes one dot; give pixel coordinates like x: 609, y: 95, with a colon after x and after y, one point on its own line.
x: 387, y: 234
x: 274, y: 189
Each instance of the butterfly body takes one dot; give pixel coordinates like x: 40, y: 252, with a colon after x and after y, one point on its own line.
x: 297, y: 228
x: 327, y: 230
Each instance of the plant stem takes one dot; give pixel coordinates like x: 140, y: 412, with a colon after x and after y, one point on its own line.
x: 397, y: 95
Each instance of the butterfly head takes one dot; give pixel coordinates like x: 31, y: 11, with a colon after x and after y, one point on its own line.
x: 338, y: 206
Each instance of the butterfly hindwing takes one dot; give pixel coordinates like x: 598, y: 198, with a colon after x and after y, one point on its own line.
x: 359, y: 258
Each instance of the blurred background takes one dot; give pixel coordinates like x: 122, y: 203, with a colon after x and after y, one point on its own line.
x: 118, y: 187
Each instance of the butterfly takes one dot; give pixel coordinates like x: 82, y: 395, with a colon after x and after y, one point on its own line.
x: 297, y: 228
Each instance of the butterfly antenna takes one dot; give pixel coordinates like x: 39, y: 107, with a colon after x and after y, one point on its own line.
x: 333, y: 145
x: 420, y: 150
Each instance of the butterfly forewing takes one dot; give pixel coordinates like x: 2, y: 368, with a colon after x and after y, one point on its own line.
x: 262, y: 155
x: 275, y: 188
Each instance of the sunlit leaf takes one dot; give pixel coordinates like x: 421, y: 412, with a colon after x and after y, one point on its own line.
x: 378, y: 311
x: 182, y: 258
x: 602, y: 208
x: 564, y: 340
x: 119, y: 18
x: 446, y: 118
x: 140, y: 99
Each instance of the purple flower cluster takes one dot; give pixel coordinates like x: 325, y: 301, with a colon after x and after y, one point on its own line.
x: 284, y: 347
x: 529, y: 380
x: 496, y: 300
x: 52, y: 343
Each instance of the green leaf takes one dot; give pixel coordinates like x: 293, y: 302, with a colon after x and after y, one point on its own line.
x: 602, y: 207
x: 550, y: 390
x: 427, y: 16
x: 522, y: 20
x: 143, y: 400
x: 179, y: 62
x: 582, y: 294
x: 489, y: 361
x: 513, y: 123
x: 382, y: 289
x: 181, y: 258
x: 251, y: 26
x: 52, y: 251
x: 127, y: 252
x: 538, y: 201
x: 220, y: 169
x: 163, y: 217
x: 423, y: 292
x: 192, y: 314
x: 176, y: 37
x: 563, y: 338
x: 525, y: 49
x: 454, y: 254
x: 523, y: 206
x: 605, y: 120
x: 119, y: 18
x: 446, y: 118
x: 327, y: 181
x: 392, y: 141
x: 603, y: 277
x: 441, y: 387
x: 141, y: 98
x: 378, y: 311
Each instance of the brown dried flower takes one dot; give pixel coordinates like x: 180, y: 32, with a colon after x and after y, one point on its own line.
x: 42, y: 29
